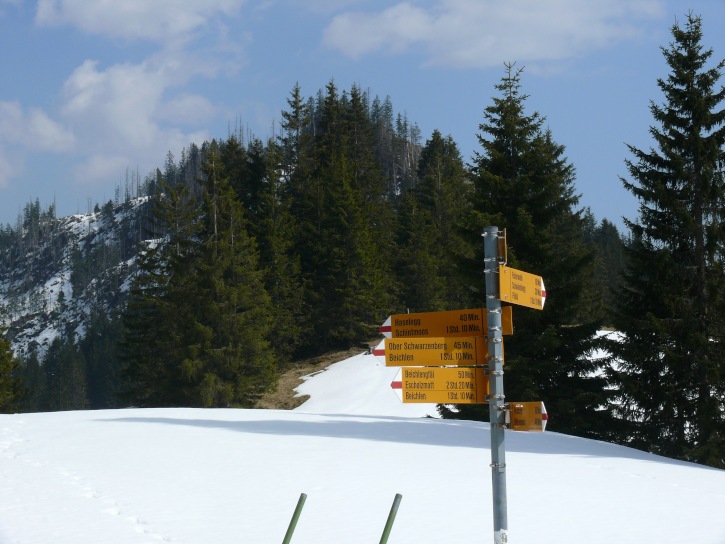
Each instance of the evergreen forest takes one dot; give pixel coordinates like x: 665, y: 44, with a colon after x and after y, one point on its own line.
x: 247, y: 255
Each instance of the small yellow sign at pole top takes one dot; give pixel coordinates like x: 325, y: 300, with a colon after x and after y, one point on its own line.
x: 522, y: 288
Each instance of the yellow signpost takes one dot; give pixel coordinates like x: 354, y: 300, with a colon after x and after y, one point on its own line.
x: 442, y: 385
x: 448, y: 323
x: 527, y: 416
x: 522, y: 288
x: 435, y: 351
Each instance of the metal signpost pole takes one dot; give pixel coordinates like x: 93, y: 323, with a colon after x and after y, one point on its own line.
x: 496, y: 395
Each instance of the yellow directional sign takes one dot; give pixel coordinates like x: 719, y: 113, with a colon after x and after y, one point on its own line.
x: 527, y: 416
x: 449, y: 323
x: 442, y: 385
x: 435, y: 351
x: 522, y: 288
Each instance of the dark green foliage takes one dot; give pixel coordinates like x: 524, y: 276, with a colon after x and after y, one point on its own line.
x: 230, y: 357
x: 11, y: 389
x: 35, y: 383
x: 429, y: 233
x: 343, y: 223
x: 278, y: 259
x: 150, y: 342
x: 65, y: 377
x: 8, y: 237
x: 74, y: 376
x: 524, y: 183
x: 198, y: 320
x: 670, y: 364
x: 100, y: 349
x: 608, y: 246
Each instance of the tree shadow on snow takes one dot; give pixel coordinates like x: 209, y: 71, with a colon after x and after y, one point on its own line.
x: 426, y: 431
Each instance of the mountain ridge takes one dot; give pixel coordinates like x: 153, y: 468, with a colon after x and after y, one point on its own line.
x: 57, y: 271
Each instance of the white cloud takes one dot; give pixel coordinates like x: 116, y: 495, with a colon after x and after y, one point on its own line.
x: 186, y: 108
x: 127, y: 115
x: 482, y: 33
x: 154, y: 20
x: 102, y: 166
x: 116, y: 103
x: 32, y: 129
x: 398, y: 27
x: 7, y: 169
x: 112, y: 115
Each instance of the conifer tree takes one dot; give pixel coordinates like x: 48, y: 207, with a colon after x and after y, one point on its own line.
x: 11, y: 390
x: 296, y: 136
x: 342, y: 220
x: 608, y: 245
x: 99, y: 347
x: 430, y: 216
x: 338, y: 277
x: 229, y: 355
x: 34, y: 382
x: 198, y: 320
x: 152, y: 340
x: 65, y: 370
x: 670, y: 362
x: 418, y: 261
x: 278, y: 259
x: 524, y: 183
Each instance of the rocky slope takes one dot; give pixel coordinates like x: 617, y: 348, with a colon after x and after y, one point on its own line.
x: 54, y: 272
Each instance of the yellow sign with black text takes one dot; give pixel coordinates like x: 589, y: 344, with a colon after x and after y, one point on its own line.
x: 527, y: 416
x: 522, y: 288
x: 436, y: 351
x: 446, y: 323
x: 442, y: 385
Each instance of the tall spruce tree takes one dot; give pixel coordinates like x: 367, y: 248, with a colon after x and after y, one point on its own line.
x: 608, y: 245
x: 524, y: 183
x: 430, y: 217
x: 670, y: 363
x: 229, y: 357
x: 278, y: 259
x: 345, y: 247
x: 152, y: 339
x: 197, y: 324
x: 342, y: 221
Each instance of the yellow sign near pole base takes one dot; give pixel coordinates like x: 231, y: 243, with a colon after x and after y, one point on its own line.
x: 527, y: 416
x: 442, y: 385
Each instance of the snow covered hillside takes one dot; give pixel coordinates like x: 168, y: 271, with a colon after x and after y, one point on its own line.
x: 234, y: 476
x: 58, y: 271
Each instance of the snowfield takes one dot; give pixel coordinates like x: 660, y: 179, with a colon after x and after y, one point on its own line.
x: 234, y: 476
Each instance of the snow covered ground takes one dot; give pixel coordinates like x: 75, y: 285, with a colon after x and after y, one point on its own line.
x: 234, y: 476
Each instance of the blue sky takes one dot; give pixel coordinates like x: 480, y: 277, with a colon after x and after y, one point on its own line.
x: 93, y: 89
